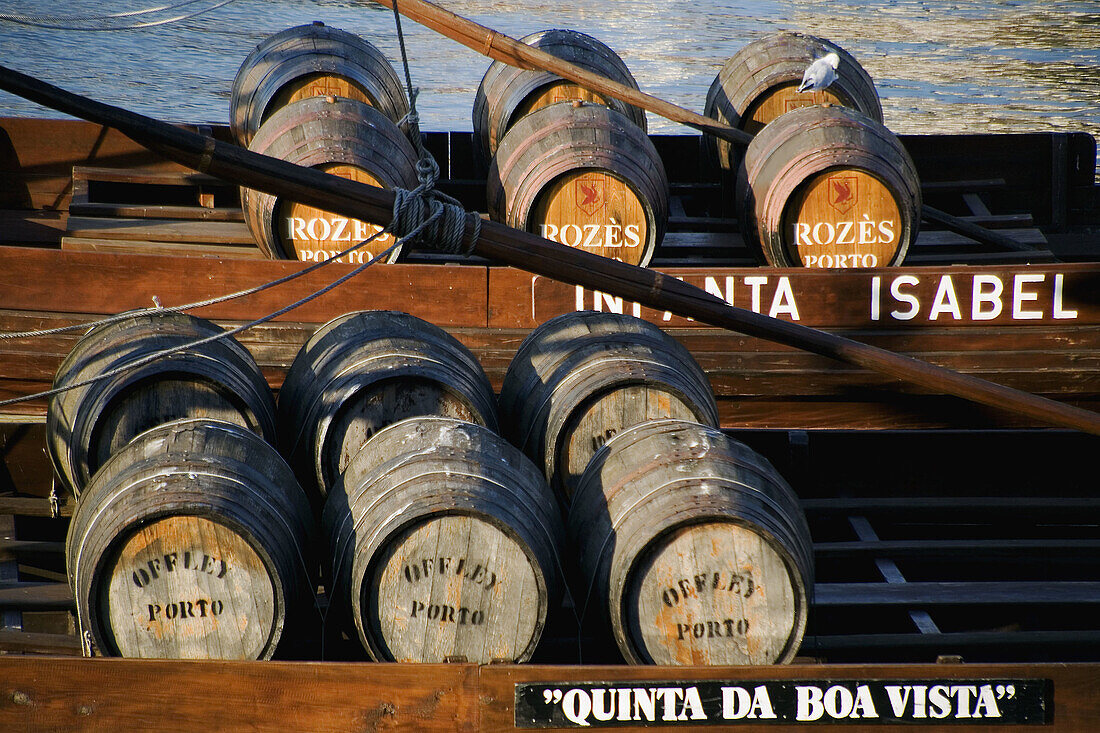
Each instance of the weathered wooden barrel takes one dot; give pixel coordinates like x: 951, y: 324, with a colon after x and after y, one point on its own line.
x: 827, y: 187
x: 311, y: 60
x: 583, y: 175
x: 444, y: 544
x: 695, y: 546
x: 363, y: 371
x: 580, y: 378
x: 506, y: 93
x: 760, y: 82
x: 86, y: 424
x: 343, y: 137
x: 191, y: 542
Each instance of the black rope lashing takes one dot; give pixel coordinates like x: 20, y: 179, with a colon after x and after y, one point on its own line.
x: 442, y: 218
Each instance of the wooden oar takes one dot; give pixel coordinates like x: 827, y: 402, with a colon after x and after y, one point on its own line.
x: 508, y: 50
x: 534, y: 254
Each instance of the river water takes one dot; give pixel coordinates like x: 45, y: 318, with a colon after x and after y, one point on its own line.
x: 940, y: 66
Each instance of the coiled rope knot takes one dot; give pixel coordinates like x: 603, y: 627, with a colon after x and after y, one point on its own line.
x: 434, y: 219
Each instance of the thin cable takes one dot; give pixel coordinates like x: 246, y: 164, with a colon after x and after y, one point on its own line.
x: 190, y: 306
x: 239, y: 329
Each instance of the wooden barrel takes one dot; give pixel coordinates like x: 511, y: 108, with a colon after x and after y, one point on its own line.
x: 363, y: 371
x: 583, y: 175
x: 444, y: 543
x: 580, y: 378
x: 760, y: 82
x: 87, y: 424
x: 696, y: 547
x: 339, y: 136
x: 506, y: 93
x: 191, y: 542
x: 311, y: 61
x: 827, y: 187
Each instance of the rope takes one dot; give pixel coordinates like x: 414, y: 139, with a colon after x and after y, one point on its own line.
x: 101, y: 22
x: 410, y: 207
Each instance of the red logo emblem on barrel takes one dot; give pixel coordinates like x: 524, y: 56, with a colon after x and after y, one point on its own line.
x: 590, y: 195
x: 843, y: 192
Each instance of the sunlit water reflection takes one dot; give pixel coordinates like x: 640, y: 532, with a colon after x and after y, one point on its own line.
x: 940, y: 65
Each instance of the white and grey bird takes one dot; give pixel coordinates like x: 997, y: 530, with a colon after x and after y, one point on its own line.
x: 820, y: 74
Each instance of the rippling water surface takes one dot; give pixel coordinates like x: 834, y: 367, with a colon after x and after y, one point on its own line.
x: 939, y: 65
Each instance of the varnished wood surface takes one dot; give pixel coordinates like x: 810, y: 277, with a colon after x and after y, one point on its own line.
x: 49, y: 694
x: 95, y: 695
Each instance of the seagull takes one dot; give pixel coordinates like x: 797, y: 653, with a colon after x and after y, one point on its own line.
x: 820, y: 74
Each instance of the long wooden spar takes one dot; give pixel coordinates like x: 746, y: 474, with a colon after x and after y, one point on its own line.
x: 508, y: 50
x: 535, y: 254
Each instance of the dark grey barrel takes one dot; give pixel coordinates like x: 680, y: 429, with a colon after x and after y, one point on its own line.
x: 363, y: 371
x: 444, y: 545
x: 219, y: 380
x: 760, y: 82
x: 583, y: 175
x: 695, y: 547
x: 192, y: 542
x: 308, y: 61
x: 506, y: 93
x: 580, y: 378
x: 344, y: 137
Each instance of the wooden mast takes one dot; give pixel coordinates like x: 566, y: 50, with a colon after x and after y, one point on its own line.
x: 537, y: 255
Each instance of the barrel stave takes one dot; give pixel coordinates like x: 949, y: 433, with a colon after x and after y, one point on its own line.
x: 585, y: 176
x: 507, y: 94
x: 306, y: 61
x: 363, y: 371
x: 191, y: 542
x: 343, y: 137
x: 672, y: 520
x: 475, y: 517
x: 218, y: 379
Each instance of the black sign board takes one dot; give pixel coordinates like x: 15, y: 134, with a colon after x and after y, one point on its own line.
x: 731, y: 702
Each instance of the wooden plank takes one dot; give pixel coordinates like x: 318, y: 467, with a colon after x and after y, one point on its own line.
x: 932, y: 593
x: 33, y: 506
x: 23, y: 642
x: 96, y: 283
x: 137, y: 211
x: 1076, y: 550
x: 180, y: 177
x: 36, y: 596
x: 989, y: 506
x: 161, y: 230
x: 41, y: 228
x: 105, y: 694
x: 178, y: 249
x: 886, y: 413
x: 999, y: 640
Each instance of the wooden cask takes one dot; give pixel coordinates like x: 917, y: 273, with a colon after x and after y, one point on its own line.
x: 580, y: 378
x: 311, y: 60
x: 191, y: 542
x: 506, y: 93
x: 585, y: 176
x: 363, y: 371
x: 444, y: 545
x: 86, y: 424
x: 697, y: 549
x: 827, y: 187
x: 343, y: 137
x: 760, y: 82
